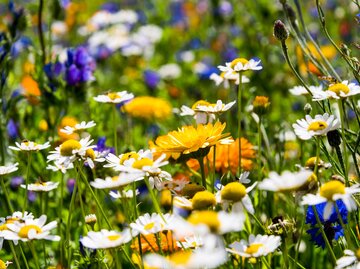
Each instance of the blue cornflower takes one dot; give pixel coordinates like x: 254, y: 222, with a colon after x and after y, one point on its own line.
x: 332, y: 227
x: 151, y: 78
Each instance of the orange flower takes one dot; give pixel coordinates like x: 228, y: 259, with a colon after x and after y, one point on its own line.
x: 31, y: 89
x: 150, y: 242
x: 67, y: 121
x: 191, y: 140
x: 227, y: 157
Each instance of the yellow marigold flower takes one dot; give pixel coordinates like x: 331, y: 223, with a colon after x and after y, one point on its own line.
x: 227, y: 157
x: 190, y: 140
x: 260, y: 104
x: 148, y: 108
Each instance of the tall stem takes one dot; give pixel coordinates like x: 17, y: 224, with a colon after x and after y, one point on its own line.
x: 115, y: 128
x: 239, y: 119
x: 317, y: 160
x: 6, y: 194
x: 202, y: 169
x: 259, y: 148
x: 40, y: 31
x: 27, y: 180
x: 345, y: 157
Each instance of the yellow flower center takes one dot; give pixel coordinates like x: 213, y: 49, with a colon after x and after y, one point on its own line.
x: 261, y: 101
x: 23, y: 233
x: 209, y: 218
x: 234, y: 191
x: 40, y: 183
x: 339, y: 87
x: 113, y: 237
x: 317, y: 126
x: 180, y: 257
x: 149, y: 226
x: 331, y: 188
x: 200, y: 103
x: 3, y: 227
x: 90, y: 154
x: 68, y: 146
x: 143, y: 162
x: 238, y: 60
x: 2, y: 264
x: 128, y: 155
x: 253, y: 248
x: 27, y: 143
x: 203, y: 199
x: 311, y: 162
x: 115, y: 178
x: 113, y: 95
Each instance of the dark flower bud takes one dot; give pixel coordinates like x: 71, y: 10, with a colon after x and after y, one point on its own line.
x: 334, y: 138
x: 290, y: 12
x: 280, y: 31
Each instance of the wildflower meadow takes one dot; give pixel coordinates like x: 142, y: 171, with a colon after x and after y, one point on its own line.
x: 179, y: 134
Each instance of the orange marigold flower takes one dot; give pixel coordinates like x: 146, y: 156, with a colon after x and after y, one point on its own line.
x: 67, y: 121
x: 227, y: 157
x: 190, y: 140
x: 149, y: 243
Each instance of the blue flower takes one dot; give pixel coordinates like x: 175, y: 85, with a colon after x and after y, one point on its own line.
x: 151, y: 78
x: 12, y: 129
x: 332, y: 227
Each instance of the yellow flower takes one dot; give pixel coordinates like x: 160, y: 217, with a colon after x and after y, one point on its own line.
x: 189, y: 140
x: 148, y: 108
x: 260, y: 104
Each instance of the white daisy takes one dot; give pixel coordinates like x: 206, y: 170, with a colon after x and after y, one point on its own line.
x: 123, y: 194
x: 78, y: 127
x: 71, y: 150
x: 226, y: 78
x: 41, y: 186
x: 256, y: 246
x: 90, y: 219
x: 114, y: 97
x: 169, y: 71
x: 287, y: 181
x: 7, y: 169
x: 330, y: 192
x: 106, y: 239
x: 236, y: 193
x: 60, y: 167
x: 149, y: 224
x: 193, y: 242
x: 31, y: 229
x: 211, y: 255
x: 240, y: 65
x: 29, y: 146
x: 337, y: 91
x: 138, y: 165
x: 111, y: 182
x: 307, y: 128
x: 301, y: 90
x: 350, y: 260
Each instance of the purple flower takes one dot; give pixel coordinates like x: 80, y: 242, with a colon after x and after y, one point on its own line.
x: 70, y: 184
x: 151, y: 78
x: 12, y: 129
x: 16, y: 182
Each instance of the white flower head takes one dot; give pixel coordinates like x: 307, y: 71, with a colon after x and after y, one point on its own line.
x: 114, y: 97
x: 29, y: 146
x: 301, y: 90
x: 150, y: 224
x: 320, y: 125
x: 7, y: 169
x: 256, y: 246
x: 123, y: 194
x: 31, y: 229
x: 41, y: 186
x: 287, y: 181
x: 240, y: 65
x: 78, y: 127
x: 350, y: 260
x: 169, y: 71
x: 226, y: 78
x: 337, y: 91
x: 106, y: 239
x: 330, y: 192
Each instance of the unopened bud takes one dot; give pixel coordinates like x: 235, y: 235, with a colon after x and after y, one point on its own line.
x: 290, y: 13
x: 280, y: 31
x: 307, y: 109
x: 334, y: 138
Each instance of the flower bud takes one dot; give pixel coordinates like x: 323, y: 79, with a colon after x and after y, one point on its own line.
x: 307, y: 108
x: 280, y: 31
x: 334, y: 138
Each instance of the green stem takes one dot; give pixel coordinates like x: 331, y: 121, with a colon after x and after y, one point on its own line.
x: 345, y: 157
x: 23, y: 256
x: 115, y: 128
x: 333, y: 257
x: 27, y: 181
x: 60, y: 219
x: 7, y: 198
x: 202, y: 169
x: 317, y: 160
x: 239, y: 119
x: 299, y: 242
x: 14, y: 254
x: 68, y: 227
x: 41, y: 34
x: 154, y: 198
x: 33, y: 252
x: 259, y: 149
x: 214, y: 171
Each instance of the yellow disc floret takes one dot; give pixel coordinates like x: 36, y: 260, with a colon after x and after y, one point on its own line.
x: 113, y: 237
x: 317, y: 126
x: 238, y: 60
x: 2, y: 265
x: 129, y: 155
x: 113, y: 95
x: 253, y: 248
x: 68, y: 146
x: 90, y: 154
x: 209, y: 218
x: 180, y: 257
x: 139, y: 164
x: 331, y: 188
x: 23, y: 233
x: 203, y: 199
x: 338, y: 88
x: 234, y: 191
x: 200, y: 103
